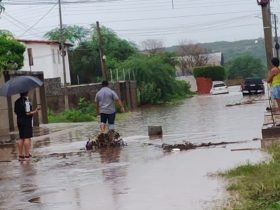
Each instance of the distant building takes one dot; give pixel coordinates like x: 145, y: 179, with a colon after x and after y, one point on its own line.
x: 216, y: 58
x: 44, y: 55
x: 184, y: 71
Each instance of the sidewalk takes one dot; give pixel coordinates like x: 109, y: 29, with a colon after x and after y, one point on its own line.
x: 43, y: 131
x: 271, y: 127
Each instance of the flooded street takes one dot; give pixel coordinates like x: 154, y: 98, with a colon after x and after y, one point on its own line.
x: 140, y: 176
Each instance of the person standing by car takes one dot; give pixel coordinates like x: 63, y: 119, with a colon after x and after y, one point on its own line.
x: 274, y: 80
x: 23, y: 110
x: 105, y: 106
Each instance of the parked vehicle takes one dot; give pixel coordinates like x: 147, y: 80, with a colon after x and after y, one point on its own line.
x: 252, y: 86
x: 218, y: 87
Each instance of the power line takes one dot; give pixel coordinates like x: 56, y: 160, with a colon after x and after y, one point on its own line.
x: 39, y: 20
x: 14, y: 21
x: 47, y: 2
x: 168, y: 32
x: 150, y: 6
x: 175, y: 17
x: 86, y: 7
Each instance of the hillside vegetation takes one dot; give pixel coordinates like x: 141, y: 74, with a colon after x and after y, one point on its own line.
x: 231, y: 50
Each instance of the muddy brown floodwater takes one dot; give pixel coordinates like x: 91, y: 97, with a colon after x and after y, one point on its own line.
x: 139, y: 176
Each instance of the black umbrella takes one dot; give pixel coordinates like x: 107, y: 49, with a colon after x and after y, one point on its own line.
x: 19, y: 84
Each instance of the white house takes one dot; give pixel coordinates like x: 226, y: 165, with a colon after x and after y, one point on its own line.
x: 45, y: 55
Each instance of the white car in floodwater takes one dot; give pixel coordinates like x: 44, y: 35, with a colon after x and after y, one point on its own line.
x: 218, y: 87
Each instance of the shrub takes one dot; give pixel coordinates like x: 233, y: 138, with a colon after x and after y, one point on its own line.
x: 216, y: 73
x: 85, y: 112
x: 156, y: 79
x: 245, y: 66
x: 149, y: 93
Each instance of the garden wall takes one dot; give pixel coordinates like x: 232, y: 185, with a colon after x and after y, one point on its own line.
x: 126, y: 90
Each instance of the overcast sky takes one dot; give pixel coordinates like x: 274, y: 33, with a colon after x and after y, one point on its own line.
x: 139, y: 20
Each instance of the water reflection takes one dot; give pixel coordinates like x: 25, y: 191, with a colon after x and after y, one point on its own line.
x: 113, y: 173
x: 28, y: 182
x: 42, y: 143
x: 8, y: 152
x: 110, y: 155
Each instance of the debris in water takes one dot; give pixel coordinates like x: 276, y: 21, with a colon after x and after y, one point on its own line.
x: 241, y: 103
x: 107, y: 139
x: 244, y: 149
x: 155, y: 131
x: 188, y: 145
x: 35, y: 200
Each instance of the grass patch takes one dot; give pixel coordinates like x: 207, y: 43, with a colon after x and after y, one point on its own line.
x: 84, y: 113
x: 257, y: 186
x: 71, y: 115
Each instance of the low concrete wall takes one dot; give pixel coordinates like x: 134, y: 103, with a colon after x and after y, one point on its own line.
x: 191, y: 80
x: 126, y: 90
x: 4, y: 116
x: 53, y: 87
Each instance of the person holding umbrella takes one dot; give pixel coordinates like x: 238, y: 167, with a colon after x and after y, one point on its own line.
x: 23, y: 109
x: 24, y: 112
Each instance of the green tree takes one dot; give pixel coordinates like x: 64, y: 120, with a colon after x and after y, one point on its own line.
x: 85, y: 63
x: 73, y: 34
x: 6, y: 32
x: 245, y: 66
x: 11, y: 53
x: 155, y: 76
x: 85, y: 58
x: 115, y: 48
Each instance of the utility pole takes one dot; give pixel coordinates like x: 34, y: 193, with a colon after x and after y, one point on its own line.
x: 101, y: 53
x: 2, y: 8
x: 63, y: 53
x: 265, y: 5
x: 276, y: 36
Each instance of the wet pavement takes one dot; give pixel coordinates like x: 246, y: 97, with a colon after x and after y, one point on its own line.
x: 62, y: 175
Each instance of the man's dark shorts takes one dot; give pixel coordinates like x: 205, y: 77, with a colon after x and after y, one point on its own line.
x: 108, y: 117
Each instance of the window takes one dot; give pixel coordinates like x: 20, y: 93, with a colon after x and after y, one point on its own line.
x: 58, y: 56
x: 53, y: 56
x: 219, y: 85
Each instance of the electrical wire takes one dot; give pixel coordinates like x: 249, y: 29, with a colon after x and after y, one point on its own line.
x: 94, y: 7
x: 40, y: 19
